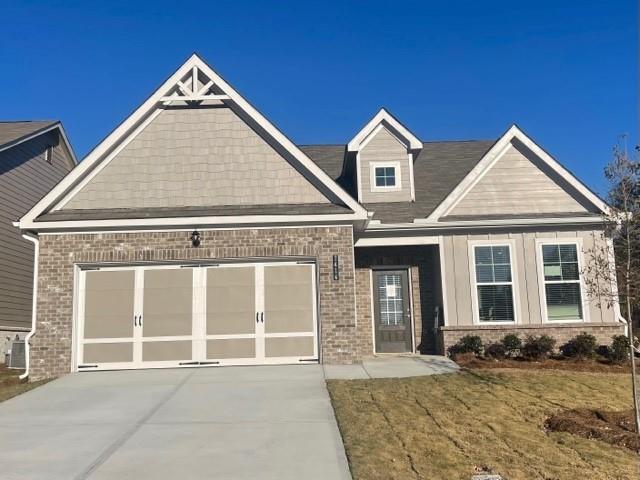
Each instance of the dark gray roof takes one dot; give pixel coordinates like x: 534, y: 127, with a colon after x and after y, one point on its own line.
x: 222, y: 211
x: 437, y: 170
x: 13, y: 132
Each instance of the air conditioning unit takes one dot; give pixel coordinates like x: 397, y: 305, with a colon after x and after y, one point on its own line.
x: 17, y: 355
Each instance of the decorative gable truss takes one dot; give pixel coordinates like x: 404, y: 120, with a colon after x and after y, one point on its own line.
x: 193, y: 84
x: 389, y: 144
x: 516, y: 179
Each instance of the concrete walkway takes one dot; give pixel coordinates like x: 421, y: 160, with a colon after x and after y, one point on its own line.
x: 392, y: 366
x: 223, y: 423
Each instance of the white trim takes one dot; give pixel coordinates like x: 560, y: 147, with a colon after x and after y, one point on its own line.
x: 489, y: 159
x: 443, y: 280
x: 395, y: 241
x: 412, y: 183
x: 373, y: 311
x: 510, y: 244
x: 200, y: 222
x: 34, y: 302
x: 383, y: 116
x: 614, y: 280
x: 577, y: 241
x: 359, y: 176
x: 124, y: 129
x: 31, y: 136
x: 396, y: 172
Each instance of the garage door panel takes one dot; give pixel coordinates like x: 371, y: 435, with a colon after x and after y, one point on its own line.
x: 108, y: 352
x: 289, y: 346
x: 231, y: 348
x: 109, y: 304
x: 168, y: 302
x: 167, y: 351
x: 230, y: 301
x: 288, y: 297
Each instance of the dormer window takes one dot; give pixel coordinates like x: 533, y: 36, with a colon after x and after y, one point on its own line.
x: 385, y: 176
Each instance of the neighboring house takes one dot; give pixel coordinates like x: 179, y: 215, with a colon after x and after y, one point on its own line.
x: 197, y: 233
x: 34, y: 157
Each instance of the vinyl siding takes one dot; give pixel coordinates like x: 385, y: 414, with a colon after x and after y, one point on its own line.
x: 25, y: 177
x: 196, y: 157
x: 458, y: 277
x: 516, y: 184
x: 384, y: 147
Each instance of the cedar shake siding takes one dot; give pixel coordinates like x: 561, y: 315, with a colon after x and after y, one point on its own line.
x: 196, y: 157
x: 25, y: 177
x: 51, y: 346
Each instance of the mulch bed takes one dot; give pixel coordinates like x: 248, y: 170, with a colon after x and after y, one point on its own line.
x: 575, y: 365
x: 615, y: 428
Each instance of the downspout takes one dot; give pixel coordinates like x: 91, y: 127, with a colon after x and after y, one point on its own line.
x: 34, y: 301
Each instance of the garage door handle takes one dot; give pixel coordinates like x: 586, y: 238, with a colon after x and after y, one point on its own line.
x: 262, y: 317
x: 135, y: 320
x: 257, y: 317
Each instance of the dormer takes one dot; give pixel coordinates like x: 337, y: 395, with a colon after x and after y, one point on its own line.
x: 384, y: 151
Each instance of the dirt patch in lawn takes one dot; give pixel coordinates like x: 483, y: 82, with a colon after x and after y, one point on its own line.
x: 11, y: 385
x: 451, y: 426
x: 572, y: 364
x: 615, y: 428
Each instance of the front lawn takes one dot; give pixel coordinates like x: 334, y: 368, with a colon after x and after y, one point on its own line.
x: 450, y: 426
x: 10, y: 384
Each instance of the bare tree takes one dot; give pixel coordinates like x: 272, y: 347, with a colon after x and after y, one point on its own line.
x: 612, y: 267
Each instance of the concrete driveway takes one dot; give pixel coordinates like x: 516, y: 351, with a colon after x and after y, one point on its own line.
x: 219, y: 423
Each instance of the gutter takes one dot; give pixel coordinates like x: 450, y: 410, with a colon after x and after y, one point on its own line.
x: 34, y: 302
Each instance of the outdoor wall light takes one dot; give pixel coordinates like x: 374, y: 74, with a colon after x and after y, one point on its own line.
x: 195, y: 238
x: 336, y: 268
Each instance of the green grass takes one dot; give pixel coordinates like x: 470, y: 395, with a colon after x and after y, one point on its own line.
x: 446, y: 426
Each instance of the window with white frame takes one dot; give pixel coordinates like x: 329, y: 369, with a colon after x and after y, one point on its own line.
x: 385, y: 176
x: 562, y: 287
x: 494, y: 283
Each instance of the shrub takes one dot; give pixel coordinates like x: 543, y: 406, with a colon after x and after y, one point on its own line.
x: 512, y: 344
x: 537, y: 348
x: 495, y: 350
x: 581, y: 346
x: 467, y: 344
x: 619, y: 350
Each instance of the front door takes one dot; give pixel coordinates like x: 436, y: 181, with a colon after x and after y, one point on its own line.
x: 392, y: 311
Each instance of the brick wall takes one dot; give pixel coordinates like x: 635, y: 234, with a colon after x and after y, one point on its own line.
x: 424, y: 278
x: 51, y: 346
x: 562, y: 332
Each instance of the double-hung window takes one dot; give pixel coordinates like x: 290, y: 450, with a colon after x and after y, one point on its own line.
x: 494, y: 283
x: 562, y: 288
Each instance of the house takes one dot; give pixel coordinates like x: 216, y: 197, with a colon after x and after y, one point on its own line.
x: 34, y: 156
x: 197, y: 233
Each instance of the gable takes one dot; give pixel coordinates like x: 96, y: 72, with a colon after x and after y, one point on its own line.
x: 519, y: 183
x: 196, y: 157
x: 382, y: 149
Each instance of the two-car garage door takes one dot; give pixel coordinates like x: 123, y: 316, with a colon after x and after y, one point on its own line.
x: 180, y: 315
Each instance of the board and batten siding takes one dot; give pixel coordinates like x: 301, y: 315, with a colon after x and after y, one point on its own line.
x: 516, y: 185
x: 25, y: 177
x: 196, y: 157
x: 459, y: 281
x: 384, y: 147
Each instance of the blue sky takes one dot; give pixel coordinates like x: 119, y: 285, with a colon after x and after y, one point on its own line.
x: 566, y: 72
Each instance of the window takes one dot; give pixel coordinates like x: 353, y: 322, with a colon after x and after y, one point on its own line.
x: 494, y: 283
x: 390, y: 298
x: 562, y: 287
x: 48, y: 155
x: 385, y: 177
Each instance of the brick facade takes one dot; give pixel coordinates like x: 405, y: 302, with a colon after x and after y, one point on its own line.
x: 51, y: 346
x: 424, y: 281
x: 562, y: 332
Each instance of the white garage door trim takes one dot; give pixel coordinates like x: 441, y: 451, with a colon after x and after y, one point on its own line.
x: 134, y: 340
